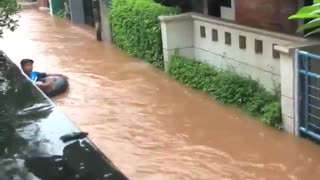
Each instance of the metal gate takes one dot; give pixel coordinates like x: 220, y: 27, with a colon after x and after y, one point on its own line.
x: 88, y: 12
x: 309, y: 94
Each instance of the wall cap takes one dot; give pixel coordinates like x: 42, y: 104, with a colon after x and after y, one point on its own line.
x: 231, y: 24
x: 290, y: 48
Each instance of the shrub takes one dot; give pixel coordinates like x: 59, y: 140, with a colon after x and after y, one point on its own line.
x: 258, y: 101
x: 272, y: 114
x: 136, y: 28
x: 233, y: 89
x: 228, y: 87
x: 194, y: 74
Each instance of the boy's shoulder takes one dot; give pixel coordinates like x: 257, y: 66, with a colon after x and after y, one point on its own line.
x: 40, y: 74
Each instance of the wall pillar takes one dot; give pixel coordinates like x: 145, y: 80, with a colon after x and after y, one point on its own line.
x: 287, y: 75
x: 289, y: 83
x: 106, y: 30
x: 177, y: 33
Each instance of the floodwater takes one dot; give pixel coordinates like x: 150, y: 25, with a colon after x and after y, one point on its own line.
x: 30, y: 131
x: 150, y: 126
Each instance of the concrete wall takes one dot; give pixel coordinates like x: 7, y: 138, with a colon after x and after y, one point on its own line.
x: 177, y: 36
x: 287, y: 66
x: 105, y: 23
x: 183, y: 33
x: 267, y: 14
x: 267, y: 57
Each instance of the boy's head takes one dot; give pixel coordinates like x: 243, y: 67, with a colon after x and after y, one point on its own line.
x: 27, y: 65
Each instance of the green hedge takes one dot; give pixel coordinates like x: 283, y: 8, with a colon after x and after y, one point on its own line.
x: 228, y: 88
x: 136, y: 28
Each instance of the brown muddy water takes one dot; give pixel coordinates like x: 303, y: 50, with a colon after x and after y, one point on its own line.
x: 150, y: 126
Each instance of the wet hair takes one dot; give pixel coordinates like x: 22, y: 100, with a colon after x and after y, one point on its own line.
x: 25, y: 61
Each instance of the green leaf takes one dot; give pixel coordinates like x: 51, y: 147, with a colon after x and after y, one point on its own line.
x: 312, y: 24
x: 304, y: 16
x: 313, y: 32
x: 309, y: 9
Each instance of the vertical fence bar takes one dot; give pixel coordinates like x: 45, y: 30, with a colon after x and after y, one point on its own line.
x: 297, y: 91
x: 306, y: 93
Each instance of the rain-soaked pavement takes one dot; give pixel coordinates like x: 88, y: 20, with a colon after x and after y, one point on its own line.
x: 150, y: 126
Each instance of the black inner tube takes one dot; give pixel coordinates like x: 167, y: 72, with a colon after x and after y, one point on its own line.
x: 60, y: 86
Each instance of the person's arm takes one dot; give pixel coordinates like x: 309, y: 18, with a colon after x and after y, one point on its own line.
x: 55, y: 74
x: 44, y: 86
x: 41, y: 75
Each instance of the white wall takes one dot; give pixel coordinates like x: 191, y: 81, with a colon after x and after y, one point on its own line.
x: 51, y: 13
x: 177, y: 37
x: 105, y: 22
x: 182, y: 34
x: 262, y: 67
x: 228, y: 13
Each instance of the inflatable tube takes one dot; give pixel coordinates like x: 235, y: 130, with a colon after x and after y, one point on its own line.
x: 60, y: 85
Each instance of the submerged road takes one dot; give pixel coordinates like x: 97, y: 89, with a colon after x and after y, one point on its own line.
x: 150, y: 126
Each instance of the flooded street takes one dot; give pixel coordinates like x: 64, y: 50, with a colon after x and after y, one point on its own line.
x: 150, y: 126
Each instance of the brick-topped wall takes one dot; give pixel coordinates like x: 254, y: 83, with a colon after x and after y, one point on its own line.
x: 267, y: 14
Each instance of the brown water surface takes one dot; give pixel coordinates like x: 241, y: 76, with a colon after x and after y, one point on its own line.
x: 149, y: 125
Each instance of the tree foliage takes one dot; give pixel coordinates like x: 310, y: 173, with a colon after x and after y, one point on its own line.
x: 311, y: 13
x: 8, y: 8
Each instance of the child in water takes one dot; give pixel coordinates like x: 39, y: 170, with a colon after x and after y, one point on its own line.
x: 39, y: 78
